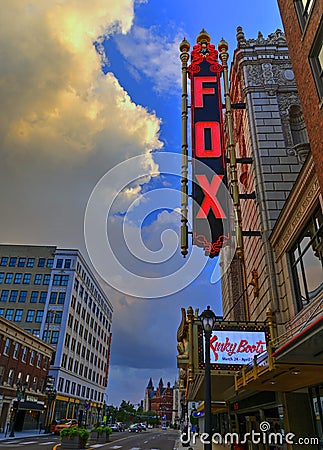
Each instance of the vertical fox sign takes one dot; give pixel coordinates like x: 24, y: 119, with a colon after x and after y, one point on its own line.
x: 208, y: 171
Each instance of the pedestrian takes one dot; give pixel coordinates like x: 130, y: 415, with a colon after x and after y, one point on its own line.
x: 40, y: 427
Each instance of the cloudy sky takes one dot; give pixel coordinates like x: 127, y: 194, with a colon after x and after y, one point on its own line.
x: 90, y: 106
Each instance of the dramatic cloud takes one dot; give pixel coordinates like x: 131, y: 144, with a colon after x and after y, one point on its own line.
x: 63, y: 123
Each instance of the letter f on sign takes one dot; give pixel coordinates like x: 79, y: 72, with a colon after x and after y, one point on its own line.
x: 210, y: 201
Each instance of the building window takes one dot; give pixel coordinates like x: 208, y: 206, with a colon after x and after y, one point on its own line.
x: 43, y: 296
x: 4, y: 261
x: 52, y: 298
x: 16, y: 350
x: 36, y: 333
x: 6, y: 347
x: 13, y: 262
x: 60, y: 384
x: 67, y: 263
x: 1, y: 277
x: 39, y: 316
x: 59, y: 264
x: 18, y: 315
x: 9, y: 314
x: 22, y: 296
x: 32, y: 358
x: 18, y: 278
x: 54, y: 338
x: 13, y: 296
x: 27, y: 277
x: 10, y: 377
x: 316, y: 60
x: 50, y: 262
x: 46, y: 279
x: 67, y: 386
x: 38, y: 278
x: 303, y: 8
x: 58, y: 317
x: 307, y: 261
x: 1, y: 311
x: 61, y: 298
x: 34, y: 297
x: 73, y: 388
x: 30, y: 315
x: 21, y: 262
x: 24, y: 354
x: 64, y: 360
x: 30, y: 262
x: 9, y: 277
x: 41, y: 262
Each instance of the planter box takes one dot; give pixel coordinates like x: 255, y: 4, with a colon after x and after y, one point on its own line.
x: 71, y: 443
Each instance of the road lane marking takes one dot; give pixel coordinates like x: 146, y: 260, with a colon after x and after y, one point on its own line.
x: 28, y: 442
x: 116, y: 447
x: 47, y: 443
x: 145, y: 442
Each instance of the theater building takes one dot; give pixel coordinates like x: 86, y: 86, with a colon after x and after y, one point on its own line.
x: 278, y: 282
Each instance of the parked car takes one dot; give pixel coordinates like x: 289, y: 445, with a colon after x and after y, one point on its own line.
x: 143, y: 426
x: 64, y: 423
x: 135, y: 428
x: 122, y: 426
x: 149, y: 426
x: 114, y: 427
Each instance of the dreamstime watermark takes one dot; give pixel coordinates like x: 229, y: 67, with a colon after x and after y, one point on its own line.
x: 132, y: 223
x: 264, y: 436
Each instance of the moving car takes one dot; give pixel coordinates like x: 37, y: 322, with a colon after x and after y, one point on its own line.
x: 135, y: 428
x: 64, y: 423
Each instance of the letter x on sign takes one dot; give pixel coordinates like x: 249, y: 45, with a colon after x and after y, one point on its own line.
x: 210, y: 201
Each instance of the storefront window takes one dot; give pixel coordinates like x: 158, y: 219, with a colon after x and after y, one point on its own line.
x: 307, y: 261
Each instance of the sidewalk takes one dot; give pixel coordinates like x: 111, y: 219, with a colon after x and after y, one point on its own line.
x: 24, y: 434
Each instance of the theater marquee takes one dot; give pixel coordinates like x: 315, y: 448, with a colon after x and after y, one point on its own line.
x: 232, y: 346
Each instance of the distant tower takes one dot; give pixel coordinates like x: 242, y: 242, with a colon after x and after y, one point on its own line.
x: 149, y: 393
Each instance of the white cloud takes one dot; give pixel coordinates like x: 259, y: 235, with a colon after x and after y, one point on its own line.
x: 154, y: 55
x: 63, y: 124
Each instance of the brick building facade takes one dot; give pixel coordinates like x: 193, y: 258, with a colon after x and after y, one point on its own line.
x: 24, y: 365
x: 303, y: 24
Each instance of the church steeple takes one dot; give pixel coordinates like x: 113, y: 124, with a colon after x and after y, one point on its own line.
x: 161, y: 383
x: 150, y: 385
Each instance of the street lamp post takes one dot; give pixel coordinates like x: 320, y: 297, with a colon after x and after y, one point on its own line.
x: 208, y: 320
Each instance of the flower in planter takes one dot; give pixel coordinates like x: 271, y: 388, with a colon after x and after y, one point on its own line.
x: 71, y: 433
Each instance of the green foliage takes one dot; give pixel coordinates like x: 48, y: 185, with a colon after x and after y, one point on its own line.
x: 107, y: 429
x: 71, y: 432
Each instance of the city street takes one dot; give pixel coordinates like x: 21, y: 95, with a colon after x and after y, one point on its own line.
x: 155, y: 439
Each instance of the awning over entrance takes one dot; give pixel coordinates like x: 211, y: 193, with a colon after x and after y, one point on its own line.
x: 220, y: 382
x: 31, y: 406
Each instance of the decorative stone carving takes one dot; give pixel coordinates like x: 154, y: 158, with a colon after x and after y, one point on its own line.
x: 254, y: 76
x: 276, y: 38
x: 182, y: 337
x: 267, y: 72
x: 284, y: 102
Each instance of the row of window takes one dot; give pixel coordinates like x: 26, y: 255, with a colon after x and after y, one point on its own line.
x: 78, y: 390
x: 26, y: 355
x: 91, y: 288
x: 86, y: 353
x: 35, y: 383
x: 81, y: 370
x: 22, y: 296
x: 14, y: 261
x: 24, y: 278
x: 303, y: 9
x: 74, y: 324
x: 17, y: 315
x: 20, y: 278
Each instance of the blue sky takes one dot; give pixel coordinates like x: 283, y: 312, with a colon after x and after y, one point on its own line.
x: 70, y: 116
